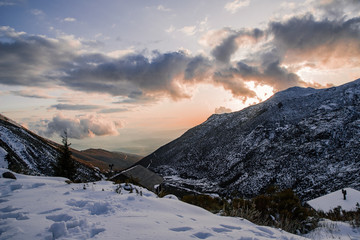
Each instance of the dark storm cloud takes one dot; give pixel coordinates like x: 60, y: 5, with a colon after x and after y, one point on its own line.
x: 286, y: 46
x: 329, y: 43
x: 28, y: 60
x: 276, y: 53
x: 31, y: 60
x: 133, y: 74
x: 75, y: 107
x: 306, y: 33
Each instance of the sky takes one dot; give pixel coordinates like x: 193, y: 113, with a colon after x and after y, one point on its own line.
x: 131, y: 76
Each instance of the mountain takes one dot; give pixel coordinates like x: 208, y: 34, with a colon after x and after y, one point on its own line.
x: 29, y: 153
x: 101, y: 158
x: 302, y: 138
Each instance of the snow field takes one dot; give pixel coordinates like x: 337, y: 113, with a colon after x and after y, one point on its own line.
x: 334, y: 230
x: 48, y: 208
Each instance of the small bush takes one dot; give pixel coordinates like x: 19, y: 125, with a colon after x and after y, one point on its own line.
x: 338, y: 214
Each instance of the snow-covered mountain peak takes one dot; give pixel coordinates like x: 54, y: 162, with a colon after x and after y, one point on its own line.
x: 301, y: 138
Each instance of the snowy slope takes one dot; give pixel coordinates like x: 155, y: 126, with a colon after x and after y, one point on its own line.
x: 29, y: 153
x: 334, y: 230
x: 301, y: 138
x: 48, y: 208
x: 335, y: 199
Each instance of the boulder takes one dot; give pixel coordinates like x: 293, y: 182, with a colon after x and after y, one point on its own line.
x: 8, y: 175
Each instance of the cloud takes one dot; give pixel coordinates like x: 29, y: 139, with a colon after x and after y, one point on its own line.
x: 31, y: 93
x: 75, y: 107
x: 235, y: 5
x: 113, y: 110
x: 37, y: 12
x: 135, y: 76
x: 170, y: 29
x: 30, y: 60
x: 162, y: 8
x: 80, y: 128
x: 69, y: 19
x: 221, y: 110
x: 269, y: 56
x: 335, y: 9
x: 188, y: 30
x: 330, y: 43
x: 233, y: 40
x: 10, y: 2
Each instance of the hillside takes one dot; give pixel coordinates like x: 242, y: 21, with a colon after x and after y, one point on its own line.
x: 301, y: 138
x: 101, y: 158
x: 29, y: 153
x: 48, y: 208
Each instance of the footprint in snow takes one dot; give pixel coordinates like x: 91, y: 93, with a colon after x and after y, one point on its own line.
x: 220, y: 230
x: 202, y: 235
x: 230, y: 227
x: 14, y: 187
x: 264, y: 229
x: 180, y: 229
x: 59, y: 218
x: 81, y: 228
x: 51, y: 211
x: 9, y: 209
x: 36, y: 185
x: 17, y: 216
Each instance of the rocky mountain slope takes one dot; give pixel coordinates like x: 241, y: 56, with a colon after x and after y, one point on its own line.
x: 304, y: 139
x: 29, y: 153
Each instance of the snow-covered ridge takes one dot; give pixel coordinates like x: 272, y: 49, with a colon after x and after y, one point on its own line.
x: 48, y: 208
x: 29, y: 152
x: 301, y: 138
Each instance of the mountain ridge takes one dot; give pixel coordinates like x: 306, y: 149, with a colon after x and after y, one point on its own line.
x: 32, y: 154
x: 300, y: 138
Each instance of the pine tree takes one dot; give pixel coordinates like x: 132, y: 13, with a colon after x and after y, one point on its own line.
x: 65, y: 164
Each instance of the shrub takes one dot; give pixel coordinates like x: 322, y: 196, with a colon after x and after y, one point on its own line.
x: 338, y: 214
x: 277, y: 209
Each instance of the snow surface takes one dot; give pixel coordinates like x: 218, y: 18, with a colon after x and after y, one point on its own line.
x: 48, y: 208
x: 3, y: 162
x: 334, y: 230
x: 332, y: 200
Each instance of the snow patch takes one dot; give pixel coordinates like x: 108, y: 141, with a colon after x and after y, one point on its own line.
x: 332, y: 200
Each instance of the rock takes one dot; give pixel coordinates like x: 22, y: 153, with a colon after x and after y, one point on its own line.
x: 8, y: 175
